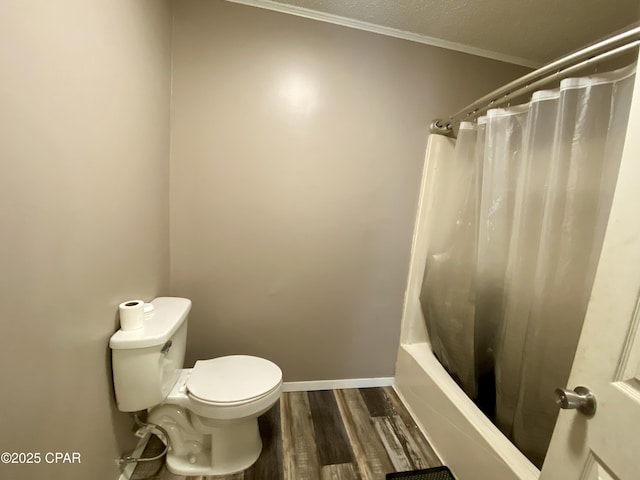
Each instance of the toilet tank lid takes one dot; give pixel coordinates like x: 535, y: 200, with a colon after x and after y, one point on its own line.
x: 169, y: 314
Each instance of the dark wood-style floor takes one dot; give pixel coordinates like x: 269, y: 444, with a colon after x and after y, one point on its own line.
x: 327, y: 435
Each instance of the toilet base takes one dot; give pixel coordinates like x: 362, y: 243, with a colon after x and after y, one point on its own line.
x: 230, y: 449
x: 206, y: 439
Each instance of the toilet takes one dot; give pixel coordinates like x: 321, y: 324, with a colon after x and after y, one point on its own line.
x: 210, y: 412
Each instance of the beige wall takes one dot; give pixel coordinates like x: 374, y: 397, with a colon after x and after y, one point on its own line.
x: 297, y: 150
x: 84, y: 120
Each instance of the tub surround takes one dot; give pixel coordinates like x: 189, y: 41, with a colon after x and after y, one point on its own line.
x: 449, y: 418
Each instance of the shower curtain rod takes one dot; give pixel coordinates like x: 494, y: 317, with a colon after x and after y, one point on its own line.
x: 554, y: 71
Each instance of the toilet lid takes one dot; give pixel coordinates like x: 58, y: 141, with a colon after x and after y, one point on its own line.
x: 233, y: 379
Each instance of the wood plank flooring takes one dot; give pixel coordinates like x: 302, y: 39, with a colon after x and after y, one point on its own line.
x: 351, y: 434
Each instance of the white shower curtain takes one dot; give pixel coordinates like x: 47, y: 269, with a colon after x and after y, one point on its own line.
x: 448, y: 289
x: 515, y: 243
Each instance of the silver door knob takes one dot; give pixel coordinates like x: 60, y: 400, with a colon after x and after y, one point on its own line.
x: 581, y: 398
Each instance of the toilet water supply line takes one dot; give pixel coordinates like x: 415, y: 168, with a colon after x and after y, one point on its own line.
x: 146, y: 428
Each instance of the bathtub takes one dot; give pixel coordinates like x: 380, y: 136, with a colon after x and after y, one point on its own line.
x: 463, y: 437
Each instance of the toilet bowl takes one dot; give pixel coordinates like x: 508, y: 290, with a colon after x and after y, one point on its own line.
x: 210, y: 412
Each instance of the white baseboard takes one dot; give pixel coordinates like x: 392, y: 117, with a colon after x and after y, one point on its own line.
x: 337, y: 384
x: 137, y: 452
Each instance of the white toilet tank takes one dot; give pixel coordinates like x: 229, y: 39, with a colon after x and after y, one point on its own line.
x: 146, y: 362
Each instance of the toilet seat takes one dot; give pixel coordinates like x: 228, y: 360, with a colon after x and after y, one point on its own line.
x: 233, y: 380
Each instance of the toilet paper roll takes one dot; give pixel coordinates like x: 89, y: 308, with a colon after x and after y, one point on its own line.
x: 131, y: 314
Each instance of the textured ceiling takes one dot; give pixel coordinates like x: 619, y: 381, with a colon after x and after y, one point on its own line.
x: 523, y: 31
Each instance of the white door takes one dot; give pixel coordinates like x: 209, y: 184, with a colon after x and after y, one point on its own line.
x: 607, y: 445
